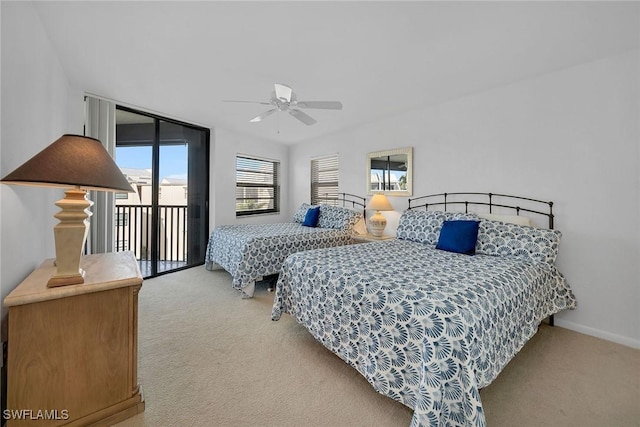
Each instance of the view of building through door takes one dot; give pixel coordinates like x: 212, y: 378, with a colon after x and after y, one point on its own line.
x: 165, y: 220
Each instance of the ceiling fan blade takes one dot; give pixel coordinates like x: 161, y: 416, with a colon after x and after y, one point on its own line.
x: 283, y: 92
x: 326, y: 105
x: 263, y: 115
x: 303, y: 117
x: 248, y: 102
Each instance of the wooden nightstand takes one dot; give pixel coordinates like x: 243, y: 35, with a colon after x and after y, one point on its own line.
x: 365, y: 238
x: 73, y: 349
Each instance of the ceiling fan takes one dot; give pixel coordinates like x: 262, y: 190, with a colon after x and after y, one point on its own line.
x: 284, y: 99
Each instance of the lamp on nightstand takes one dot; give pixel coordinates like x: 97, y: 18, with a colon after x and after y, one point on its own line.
x: 84, y: 164
x: 377, y: 222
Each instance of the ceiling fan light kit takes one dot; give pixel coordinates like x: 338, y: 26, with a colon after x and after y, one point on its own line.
x: 284, y: 99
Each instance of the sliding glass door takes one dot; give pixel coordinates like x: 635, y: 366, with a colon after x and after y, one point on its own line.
x: 165, y: 221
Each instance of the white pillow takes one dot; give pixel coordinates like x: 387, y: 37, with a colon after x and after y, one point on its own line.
x: 360, y: 227
x: 509, y: 219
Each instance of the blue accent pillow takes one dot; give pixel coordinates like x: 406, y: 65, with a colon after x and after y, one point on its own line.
x: 424, y: 226
x: 458, y: 236
x: 311, y: 218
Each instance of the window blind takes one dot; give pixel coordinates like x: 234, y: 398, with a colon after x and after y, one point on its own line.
x: 324, y: 179
x: 257, y: 186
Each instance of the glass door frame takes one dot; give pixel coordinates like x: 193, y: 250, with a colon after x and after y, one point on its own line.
x: 155, y: 186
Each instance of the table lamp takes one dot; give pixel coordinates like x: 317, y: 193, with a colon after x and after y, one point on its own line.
x: 377, y: 222
x: 84, y: 164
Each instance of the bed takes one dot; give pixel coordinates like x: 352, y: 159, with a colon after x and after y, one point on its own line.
x: 250, y: 252
x: 425, y: 326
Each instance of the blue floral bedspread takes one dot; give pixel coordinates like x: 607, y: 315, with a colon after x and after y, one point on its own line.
x: 250, y: 251
x: 425, y: 327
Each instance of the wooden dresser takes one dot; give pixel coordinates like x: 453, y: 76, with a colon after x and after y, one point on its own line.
x: 73, y: 349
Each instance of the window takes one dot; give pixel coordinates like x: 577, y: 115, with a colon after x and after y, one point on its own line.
x: 257, y: 186
x: 324, y: 178
x: 122, y: 219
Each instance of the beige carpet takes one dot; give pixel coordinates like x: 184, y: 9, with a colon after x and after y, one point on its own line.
x: 209, y: 358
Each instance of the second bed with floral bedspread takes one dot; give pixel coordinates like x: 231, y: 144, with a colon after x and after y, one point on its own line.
x: 251, y: 251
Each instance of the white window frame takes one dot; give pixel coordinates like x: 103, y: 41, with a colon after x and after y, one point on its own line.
x: 325, y: 174
x: 251, y: 182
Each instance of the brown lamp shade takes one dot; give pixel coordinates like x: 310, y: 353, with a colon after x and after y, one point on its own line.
x: 72, y: 160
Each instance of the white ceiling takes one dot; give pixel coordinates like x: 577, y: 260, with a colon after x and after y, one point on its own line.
x: 181, y: 59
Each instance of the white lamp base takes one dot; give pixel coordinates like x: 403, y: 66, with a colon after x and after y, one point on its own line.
x: 70, y: 234
x: 377, y: 223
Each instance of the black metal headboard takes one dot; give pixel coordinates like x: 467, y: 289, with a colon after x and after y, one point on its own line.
x: 346, y: 200
x: 485, y: 199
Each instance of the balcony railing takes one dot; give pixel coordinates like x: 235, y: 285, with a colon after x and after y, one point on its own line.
x: 134, y: 233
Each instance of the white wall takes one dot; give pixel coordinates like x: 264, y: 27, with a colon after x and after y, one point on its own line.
x: 225, y: 145
x: 38, y: 106
x: 570, y: 136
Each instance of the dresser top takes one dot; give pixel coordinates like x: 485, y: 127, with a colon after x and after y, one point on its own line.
x: 102, y: 272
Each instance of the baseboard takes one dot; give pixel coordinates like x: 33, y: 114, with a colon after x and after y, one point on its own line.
x: 619, y: 339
